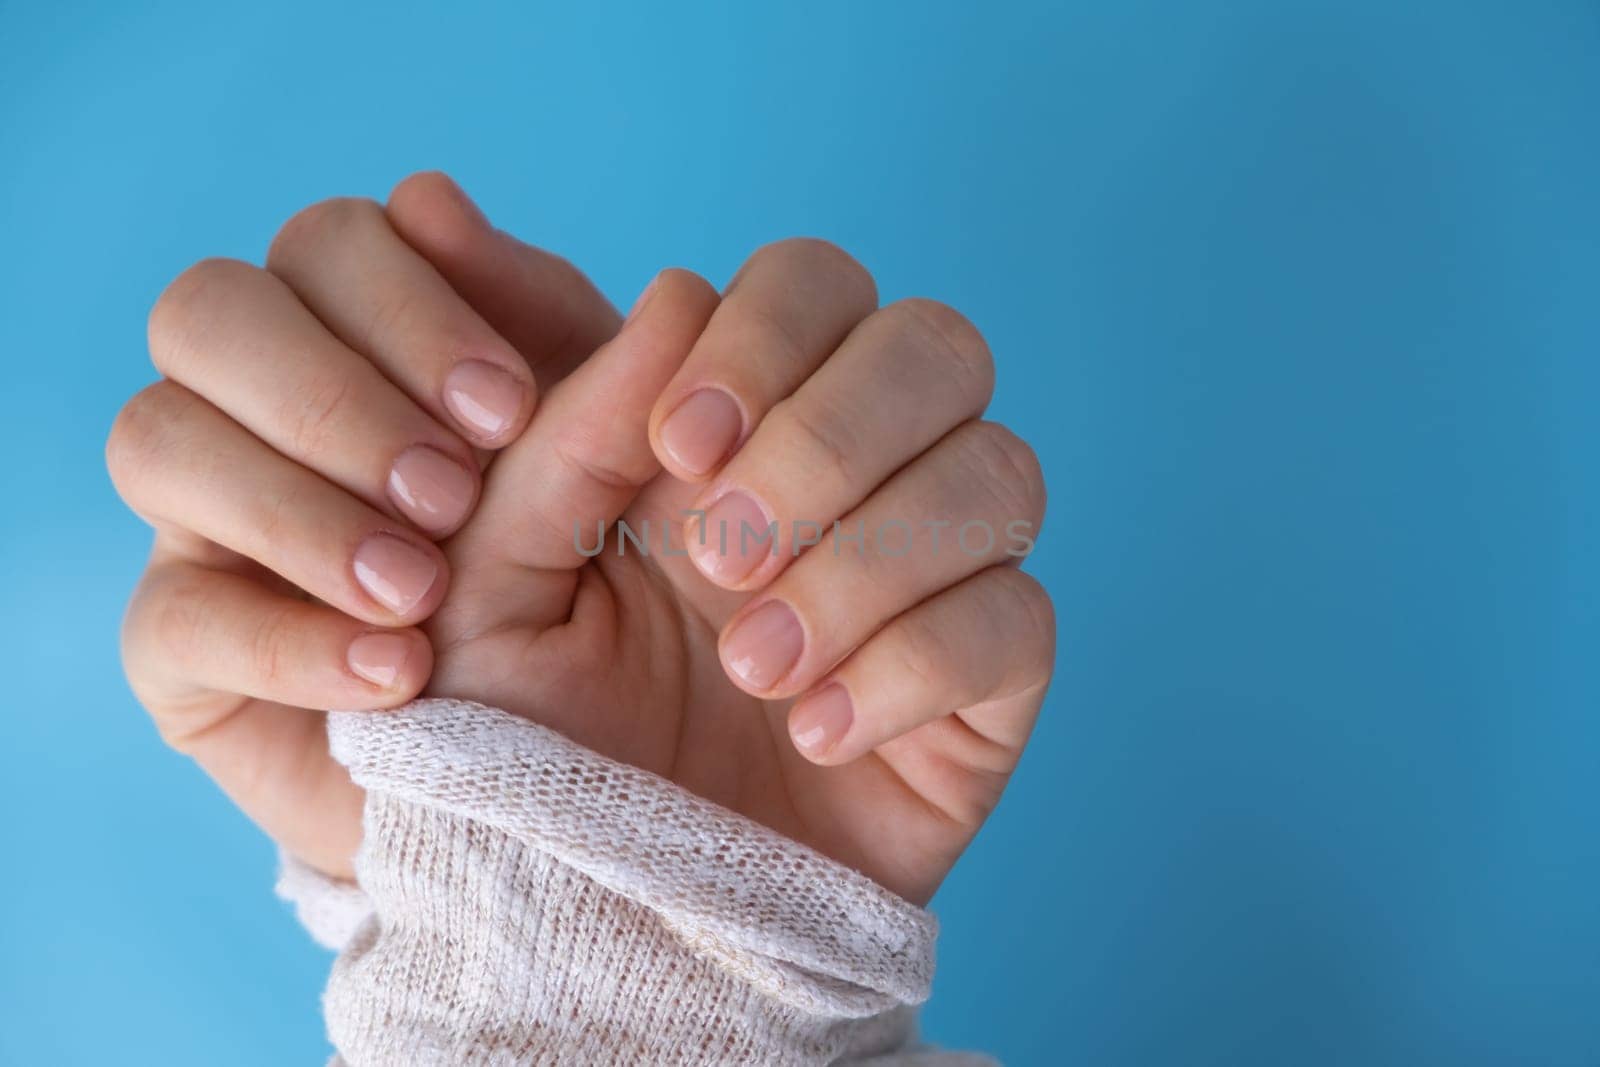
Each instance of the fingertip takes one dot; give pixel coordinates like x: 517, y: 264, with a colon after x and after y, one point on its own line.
x: 693, y: 427
x: 391, y: 666
x: 490, y: 401
x: 434, y: 201
x: 696, y: 438
x: 436, y: 490
x: 820, y: 722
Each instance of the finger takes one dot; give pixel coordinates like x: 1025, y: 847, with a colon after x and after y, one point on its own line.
x: 971, y: 501
x: 788, y: 307
x: 828, y: 446
x: 977, y: 645
x: 239, y: 337
x: 375, y: 293
x: 273, y: 762
x: 586, y: 455
x: 542, y: 304
x: 181, y: 463
x: 191, y: 630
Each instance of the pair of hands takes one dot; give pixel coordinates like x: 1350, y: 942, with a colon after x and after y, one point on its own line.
x: 356, y: 502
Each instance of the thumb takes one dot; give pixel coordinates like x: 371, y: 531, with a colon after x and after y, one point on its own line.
x: 543, y: 305
x: 587, y: 453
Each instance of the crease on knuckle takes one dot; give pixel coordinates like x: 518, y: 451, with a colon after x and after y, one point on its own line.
x: 277, y: 522
x: 776, y: 335
x: 309, y: 228
x: 142, y: 433
x: 175, y: 330
x: 596, y: 471
x: 176, y: 623
x: 1022, y: 608
x: 824, y: 441
x: 1007, y: 470
x: 957, y: 348
x: 392, y: 321
x: 924, y: 656
x: 313, y: 413
x: 820, y: 258
x: 268, y: 651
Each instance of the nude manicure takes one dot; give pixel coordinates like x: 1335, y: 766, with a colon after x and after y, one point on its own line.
x: 765, y: 645
x: 702, y: 430
x: 378, y: 658
x: 485, y: 400
x: 731, y: 539
x: 433, y: 490
x: 818, y: 723
x: 396, y: 574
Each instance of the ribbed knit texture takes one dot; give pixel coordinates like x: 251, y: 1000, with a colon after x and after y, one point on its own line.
x: 524, y: 900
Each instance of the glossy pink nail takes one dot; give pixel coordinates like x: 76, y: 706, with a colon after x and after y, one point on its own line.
x: 818, y: 723
x: 485, y: 400
x: 732, y: 539
x: 396, y: 574
x: 702, y: 430
x: 765, y: 645
x: 431, y: 489
x: 378, y: 658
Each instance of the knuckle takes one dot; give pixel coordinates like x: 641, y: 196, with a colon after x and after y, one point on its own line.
x: 312, y: 227
x: 175, y: 623
x: 1008, y: 469
x: 925, y: 655
x: 424, y: 185
x: 951, y: 339
x: 177, y: 320
x: 396, y: 309
x: 313, y: 413
x: 820, y: 436
x: 141, y: 433
x: 813, y: 257
x: 1024, y: 608
x: 592, y: 467
x: 764, y: 330
x: 268, y: 651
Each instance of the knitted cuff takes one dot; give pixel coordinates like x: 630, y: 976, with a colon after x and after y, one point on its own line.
x: 536, y: 902
x: 330, y: 910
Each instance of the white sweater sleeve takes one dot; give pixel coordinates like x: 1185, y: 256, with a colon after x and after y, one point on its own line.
x: 525, y: 900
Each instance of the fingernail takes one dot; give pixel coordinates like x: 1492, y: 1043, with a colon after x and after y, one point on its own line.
x: 379, y: 658
x: 731, y: 538
x: 820, y: 722
x: 641, y: 300
x: 395, y: 573
x: 432, y: 489
x: 765, y: 645
x: 702, y: 430
x: 485, y: 400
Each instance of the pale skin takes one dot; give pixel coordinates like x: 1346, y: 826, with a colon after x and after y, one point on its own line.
x: 365, y: 461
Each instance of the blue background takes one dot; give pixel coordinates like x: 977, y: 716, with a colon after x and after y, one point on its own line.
x: 1300, y: 303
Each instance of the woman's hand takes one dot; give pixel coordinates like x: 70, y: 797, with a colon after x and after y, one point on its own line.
x: 320, y: 424
x: 868, y: 696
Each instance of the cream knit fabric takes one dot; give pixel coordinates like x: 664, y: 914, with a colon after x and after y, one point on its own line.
x: 524, y: 900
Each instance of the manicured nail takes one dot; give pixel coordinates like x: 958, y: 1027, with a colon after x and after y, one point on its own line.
x: 765, y: 645
x: 379, y: 658
x: 702, y: 430
x: 641, y: 300
x: 731, y: 539
x: 485, y: 400
x: 432, y: 489
x: 820, y: 722
x: 395, y: 573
